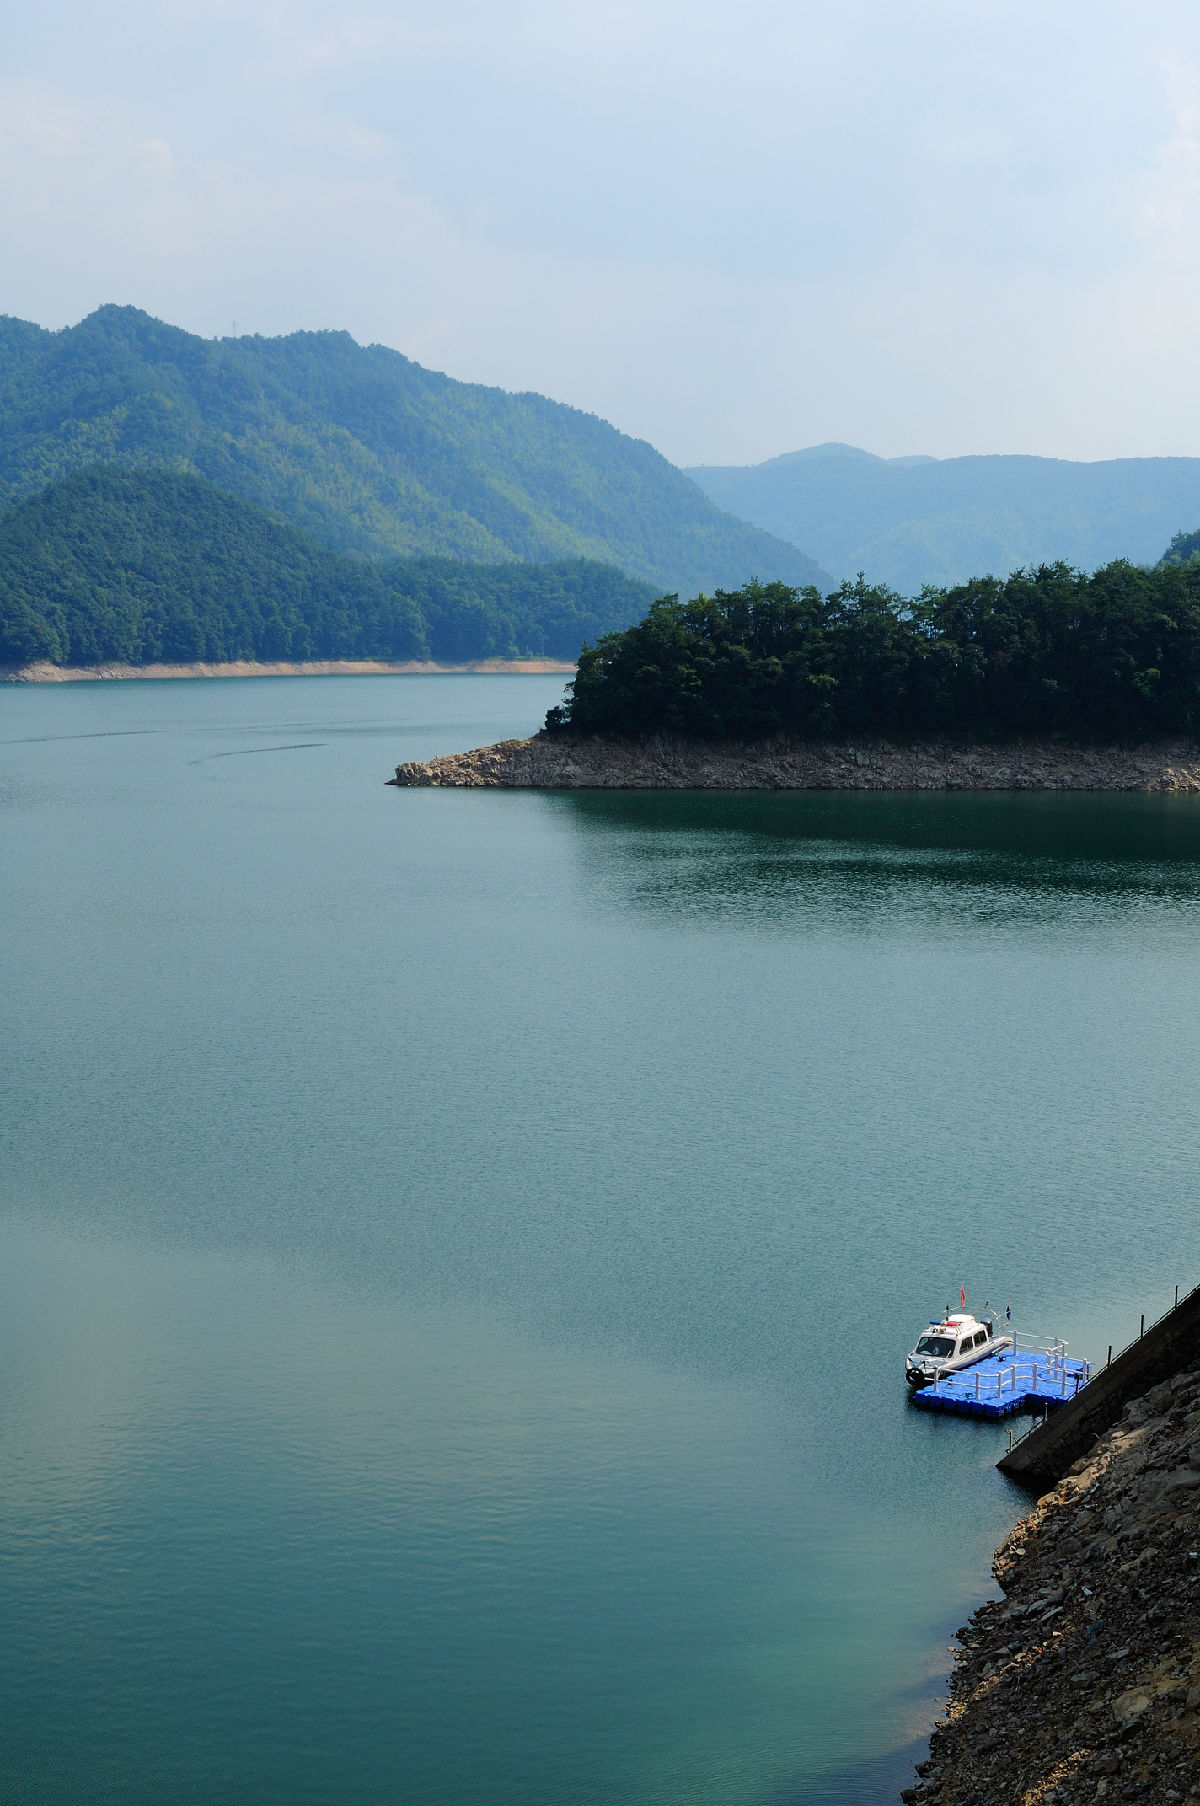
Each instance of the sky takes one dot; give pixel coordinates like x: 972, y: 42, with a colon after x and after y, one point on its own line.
x: 942, y: 226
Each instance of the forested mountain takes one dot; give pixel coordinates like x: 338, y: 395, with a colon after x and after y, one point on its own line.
x: 136, y: 566
x: 1114, y: 655
x: 366, y: 451
x: 912, y: 521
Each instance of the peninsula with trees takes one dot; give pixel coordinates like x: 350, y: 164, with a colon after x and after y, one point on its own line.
x: 1045, y: 679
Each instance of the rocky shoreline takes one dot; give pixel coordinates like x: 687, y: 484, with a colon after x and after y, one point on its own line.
x: 1083, y: 1683
x: 664, y: 762
x: 46, y: 673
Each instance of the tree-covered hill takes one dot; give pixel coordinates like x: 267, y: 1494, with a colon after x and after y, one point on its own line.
x: 365, y: 450
x: 912, y: 521
x: 1114, y: 655
x: 138, y: 566
x: 1183, y: 549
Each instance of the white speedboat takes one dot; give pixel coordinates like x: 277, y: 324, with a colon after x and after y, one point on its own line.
x: 951, y: 1345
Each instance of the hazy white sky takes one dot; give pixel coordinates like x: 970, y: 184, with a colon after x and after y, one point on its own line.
x: 940, y: 226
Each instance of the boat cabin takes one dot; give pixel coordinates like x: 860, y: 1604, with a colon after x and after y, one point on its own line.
x: 952, y: 1344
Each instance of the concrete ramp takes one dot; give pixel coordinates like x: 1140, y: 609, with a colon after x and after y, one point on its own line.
x: 1168, y: 1347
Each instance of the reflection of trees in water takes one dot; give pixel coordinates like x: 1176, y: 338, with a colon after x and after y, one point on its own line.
x: 991, y: 856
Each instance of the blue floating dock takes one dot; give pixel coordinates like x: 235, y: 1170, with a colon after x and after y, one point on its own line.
x: 1006, y: 1383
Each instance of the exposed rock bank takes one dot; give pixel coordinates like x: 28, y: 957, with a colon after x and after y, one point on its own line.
x: 1083, y: 1683
x: 46, y: 673
x: 558, y: 762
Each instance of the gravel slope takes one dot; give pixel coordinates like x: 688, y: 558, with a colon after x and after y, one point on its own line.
x: 1083, y: 1683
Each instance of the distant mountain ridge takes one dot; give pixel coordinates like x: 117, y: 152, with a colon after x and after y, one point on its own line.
x: 365, y: 450
x: 918, y: 520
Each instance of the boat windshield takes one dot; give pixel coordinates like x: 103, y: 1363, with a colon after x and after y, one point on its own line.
x: 935, y: 1345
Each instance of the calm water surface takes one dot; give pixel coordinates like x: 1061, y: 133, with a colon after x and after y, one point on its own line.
x: 459, y: 1247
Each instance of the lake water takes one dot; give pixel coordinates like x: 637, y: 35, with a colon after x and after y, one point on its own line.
x: 459, y: 1248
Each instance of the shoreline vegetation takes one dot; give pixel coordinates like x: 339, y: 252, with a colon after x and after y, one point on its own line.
x: 46, y: 673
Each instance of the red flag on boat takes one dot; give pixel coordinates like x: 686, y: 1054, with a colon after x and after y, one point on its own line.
x: 962, y: 1292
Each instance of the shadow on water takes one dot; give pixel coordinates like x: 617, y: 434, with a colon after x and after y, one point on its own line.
x: 775, y: 854
x: 1083, y: 826
x: 874, y: 1783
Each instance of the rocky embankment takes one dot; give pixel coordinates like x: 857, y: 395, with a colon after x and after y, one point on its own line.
x: 1083, y: 1683
x: 559, y: 762
x: 46, y: 673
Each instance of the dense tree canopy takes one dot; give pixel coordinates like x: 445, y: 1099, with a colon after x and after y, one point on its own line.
x: 134, y: 567
x: 1114, y: 654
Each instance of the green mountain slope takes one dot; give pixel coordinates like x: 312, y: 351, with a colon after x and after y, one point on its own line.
x: 364, y: 449
x: 139, y: 566
x: 912, y: 521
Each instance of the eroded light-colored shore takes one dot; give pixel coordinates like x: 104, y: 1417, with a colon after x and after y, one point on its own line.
x: 46, y: 673
x: 558, y: 762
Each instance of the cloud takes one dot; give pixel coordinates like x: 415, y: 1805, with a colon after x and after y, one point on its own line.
x: 732, y: 229
x: 1164, y: 201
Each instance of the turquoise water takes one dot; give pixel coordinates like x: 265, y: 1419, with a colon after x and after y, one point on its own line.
x: 459, y: 1247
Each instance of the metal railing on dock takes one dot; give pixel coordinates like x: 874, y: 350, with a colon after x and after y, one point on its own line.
x: 1137, y: 1366
x: 1036, y: 1372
